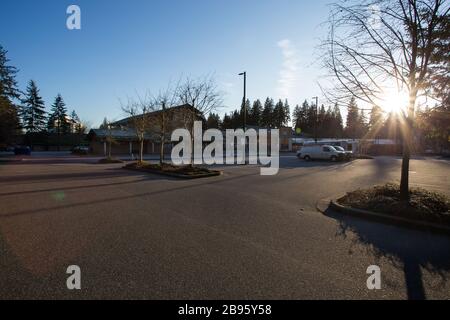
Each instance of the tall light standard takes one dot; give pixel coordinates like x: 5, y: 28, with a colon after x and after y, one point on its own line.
x: 243, y: 101
x: 315, y: 120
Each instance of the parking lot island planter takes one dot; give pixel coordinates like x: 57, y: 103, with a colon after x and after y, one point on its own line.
x: 110, y: 161
x: 427, y: 210
x: 181, y: 172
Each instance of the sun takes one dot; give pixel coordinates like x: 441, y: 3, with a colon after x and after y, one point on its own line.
x: 395, y: 101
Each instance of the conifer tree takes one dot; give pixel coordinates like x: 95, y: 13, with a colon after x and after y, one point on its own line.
x: 256, y: 113
x: 267, y: 114
x: 58, y: 116
x: 9, y: 115
x: 351, y: 130
x: 33, y: 109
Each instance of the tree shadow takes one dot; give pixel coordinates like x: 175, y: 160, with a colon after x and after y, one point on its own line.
x: 407, y: 249
x: 181, y: 184
x: 294, y: 163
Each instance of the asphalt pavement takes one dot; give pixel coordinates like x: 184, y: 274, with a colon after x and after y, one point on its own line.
x: 238, y: 236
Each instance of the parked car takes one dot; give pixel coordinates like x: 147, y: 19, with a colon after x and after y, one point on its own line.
x: 348, y: 154
x: 80, y: 150
x: 320, y: 153
x: 6, y: 148
x: 22, y: 150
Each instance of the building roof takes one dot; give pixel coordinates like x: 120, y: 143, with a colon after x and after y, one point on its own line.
x: 126, y: 121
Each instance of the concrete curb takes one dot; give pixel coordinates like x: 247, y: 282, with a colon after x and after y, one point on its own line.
x: 332, y: 204
x: 176, y: 175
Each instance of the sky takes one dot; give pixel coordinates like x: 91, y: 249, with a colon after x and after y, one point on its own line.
x: 127, y: 48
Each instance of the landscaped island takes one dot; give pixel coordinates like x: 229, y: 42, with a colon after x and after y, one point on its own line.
x: 424, y: 205
x: 185, y: 172
x: 109, y: 160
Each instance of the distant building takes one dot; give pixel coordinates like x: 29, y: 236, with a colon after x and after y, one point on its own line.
x: 125, y: 138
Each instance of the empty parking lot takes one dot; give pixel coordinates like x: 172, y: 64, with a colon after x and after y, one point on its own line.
x: 238, y: 236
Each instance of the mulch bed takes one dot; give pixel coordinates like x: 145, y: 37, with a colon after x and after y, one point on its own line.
x: 109, y: 161
x: 423, y: 206
x: 187, y: 172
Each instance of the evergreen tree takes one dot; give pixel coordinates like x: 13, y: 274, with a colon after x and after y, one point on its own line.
x: 321, y: 123
x: 286, y: 113
x: 353, y: 118
x: 105, y: 124
x: 9, y: 121
x: 58, y: 117
x: 33, y: 109
x: 439, y: 71
x: 311, y: 118
x: 267, y: 114
x: 327, y: 123
x: 296, y: 115
x: 278, y: 114
x: 298, y: 118
x: 8, y: 83
x: 247, y: 107
x: 301, y: 117
x: 213, y: 121
x: 375, y: 121
x: 9, y: 117
x: 256, y: 113
x: 236, y: 120
x: 79, y: 127
x: 362, y: 124
x: 281, y: 114
x: 338, y: 127
x: 226, y: 122
x: 391, y: 127
x: 74, y: 116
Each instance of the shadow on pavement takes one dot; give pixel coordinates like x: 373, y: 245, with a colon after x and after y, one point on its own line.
x: 410, y: 250
x: 182, y: 185
x: 108, y: 173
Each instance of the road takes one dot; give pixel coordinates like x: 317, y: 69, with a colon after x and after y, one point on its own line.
x: 238, y: 236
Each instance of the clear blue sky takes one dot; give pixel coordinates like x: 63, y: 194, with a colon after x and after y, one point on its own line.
x: 132, y: 46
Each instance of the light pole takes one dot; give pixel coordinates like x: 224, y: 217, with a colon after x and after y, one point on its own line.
x: 244, y: 125
x: 315, y: 120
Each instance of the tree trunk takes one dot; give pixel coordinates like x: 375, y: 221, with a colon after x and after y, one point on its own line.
x: 161, y: 151
x: 404, y: 181
x: 163, y: 134
x: 141, y: 151
x: 59, y: 139
x: 407, y: 142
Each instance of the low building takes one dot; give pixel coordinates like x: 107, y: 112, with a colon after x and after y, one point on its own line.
x: 286, y: 135
x: 124, y: 139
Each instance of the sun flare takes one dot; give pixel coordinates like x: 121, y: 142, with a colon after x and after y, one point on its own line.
x: 395, y: 101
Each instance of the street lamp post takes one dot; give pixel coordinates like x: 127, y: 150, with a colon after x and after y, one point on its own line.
x: 315, y: 120
x: 244, y: 125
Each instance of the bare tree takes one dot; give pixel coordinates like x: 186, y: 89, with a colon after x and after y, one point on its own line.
x: 139, y: 120
x: 163, y: 115
x: 375, y: 46
x: 108, y: 127
x: 203, y: 95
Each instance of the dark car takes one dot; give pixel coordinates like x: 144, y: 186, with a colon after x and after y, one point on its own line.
x: 22, y: 150
x: 80, y: 150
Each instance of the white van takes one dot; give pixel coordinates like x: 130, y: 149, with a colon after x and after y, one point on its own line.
x: 320, y: 152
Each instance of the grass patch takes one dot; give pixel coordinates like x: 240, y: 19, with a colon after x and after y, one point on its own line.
x: 187, y: 171
x: 423, y: 206
x: 109, y: 160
